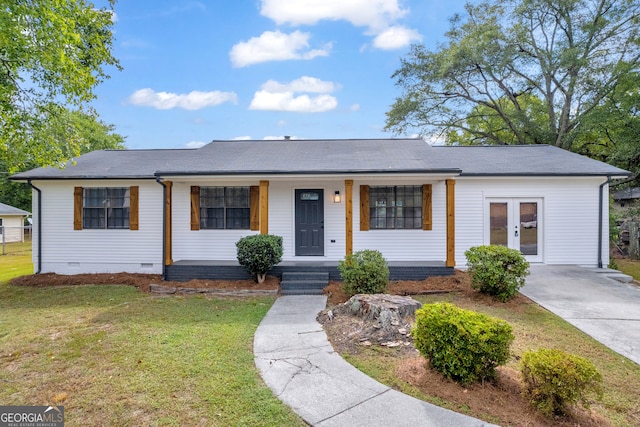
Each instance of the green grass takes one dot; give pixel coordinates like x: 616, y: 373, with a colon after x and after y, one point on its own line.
x: 115, y: 356
x: 534, y: 328
x: 16, y: 261
x: 630, y: 267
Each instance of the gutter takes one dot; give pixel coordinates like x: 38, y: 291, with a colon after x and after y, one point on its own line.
x: 164, y: 225
x: 39, y: 226
x: 600, y: 218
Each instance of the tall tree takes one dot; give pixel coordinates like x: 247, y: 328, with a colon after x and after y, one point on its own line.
x: 53, y: 53
x: 569, y: 54
x: 87, y: 132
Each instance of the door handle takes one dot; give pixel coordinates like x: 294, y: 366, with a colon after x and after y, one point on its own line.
x: 516, y: 232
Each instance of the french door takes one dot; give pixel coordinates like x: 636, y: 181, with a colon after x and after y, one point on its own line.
x: 515, y: 223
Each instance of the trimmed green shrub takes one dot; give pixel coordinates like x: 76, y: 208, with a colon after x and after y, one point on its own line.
x: 554, y: 379
x: 364, y: 272
x: 462, y: 345
x: 258, y: 254
x: 497, y: 270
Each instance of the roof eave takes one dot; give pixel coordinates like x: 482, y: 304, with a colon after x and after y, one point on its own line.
x: 308, y: 172
x: 548, y: 174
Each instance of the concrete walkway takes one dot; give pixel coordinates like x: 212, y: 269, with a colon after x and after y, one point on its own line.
x: 592, y: 301
x: 298, y: 363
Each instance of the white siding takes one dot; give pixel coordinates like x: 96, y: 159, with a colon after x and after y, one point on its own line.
x: 201, y: 244
x: 220, y: 244
x: 404, y: 245
x: 569, y: 215
x: 569, y: 218
x: 12, y: 229
x: 69, y: 251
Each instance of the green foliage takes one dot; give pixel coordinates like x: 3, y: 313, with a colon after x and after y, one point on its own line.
x: 554, y: 379
x: 497, y: 270
x: 258, y: 253
x: 87, y: 132
x: 460, y: 344
x: 53, y: 53
x: 364, y: 272
x: 512, y: 72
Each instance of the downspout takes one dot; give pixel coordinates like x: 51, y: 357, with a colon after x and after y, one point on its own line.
x: 39, y: 225
x: 164, y: 225
x: 600, y: 217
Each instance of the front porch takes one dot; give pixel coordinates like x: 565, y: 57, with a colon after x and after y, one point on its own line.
x: 185, y: 270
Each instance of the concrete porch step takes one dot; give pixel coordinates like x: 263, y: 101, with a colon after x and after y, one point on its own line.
x: 303, y: 283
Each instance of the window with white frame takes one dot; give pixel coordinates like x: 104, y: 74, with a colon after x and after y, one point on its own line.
x: 395, y: 207
x: 105, y: 208
x: 225, y: 208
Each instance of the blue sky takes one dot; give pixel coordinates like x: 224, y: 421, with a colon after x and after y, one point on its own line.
x: 195, y: 71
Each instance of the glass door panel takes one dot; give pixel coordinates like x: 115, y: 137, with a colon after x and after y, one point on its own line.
x: 529, y: 228
x: 498, y: 222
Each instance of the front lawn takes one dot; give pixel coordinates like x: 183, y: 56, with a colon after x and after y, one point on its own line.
x: 113, y: 355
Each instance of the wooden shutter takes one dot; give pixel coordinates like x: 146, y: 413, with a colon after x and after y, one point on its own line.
x: 133, y: 207
x: 427, y: 223
x: 364, y: 208
x: 77, y: 208
x: 254, y: 205
x: 195, y: 207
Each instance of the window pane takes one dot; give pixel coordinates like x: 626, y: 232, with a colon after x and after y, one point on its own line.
x: 237, y: 197
x: 118, y: 218
x: 93, y: 218
x: 94, y: 197
x: 237, y: 218
x: 212, y: 218
x: 212, y: 197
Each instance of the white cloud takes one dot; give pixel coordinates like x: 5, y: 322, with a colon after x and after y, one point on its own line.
x: 276, y: 96
x: 194, y: 100
x: 287, y: 101
x: 373, y: 14
x: 242, y: 138
x: 195, y: 144
x: 396, y: 37
x: 275, y: 46
x: 355, y: 107
x: 303, y: 84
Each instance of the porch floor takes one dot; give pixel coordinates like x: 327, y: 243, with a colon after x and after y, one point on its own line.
x: 184, y: 270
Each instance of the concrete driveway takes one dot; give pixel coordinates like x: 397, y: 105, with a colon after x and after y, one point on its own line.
x: 591, y: 300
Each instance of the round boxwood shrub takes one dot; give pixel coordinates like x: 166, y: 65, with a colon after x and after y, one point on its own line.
x: 497, y: 270
x: 258, y: 254
x: 364, y: 272
x: 462, y: 345
x: 554, y: 379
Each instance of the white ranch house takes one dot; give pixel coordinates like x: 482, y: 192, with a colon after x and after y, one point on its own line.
x: 180, y: 212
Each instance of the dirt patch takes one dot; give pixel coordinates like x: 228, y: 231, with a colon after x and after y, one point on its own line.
x: 141, y: 281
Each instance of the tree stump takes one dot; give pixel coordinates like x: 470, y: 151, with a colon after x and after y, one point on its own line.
x: 384, y: 310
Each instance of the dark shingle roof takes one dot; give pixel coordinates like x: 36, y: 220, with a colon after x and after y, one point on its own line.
x: 10, y: 210
x: 329, y: 156
x: 523, y: 160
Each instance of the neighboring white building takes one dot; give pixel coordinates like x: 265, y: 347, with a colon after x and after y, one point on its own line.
x: 180, y: 212
x: 12, y: 223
